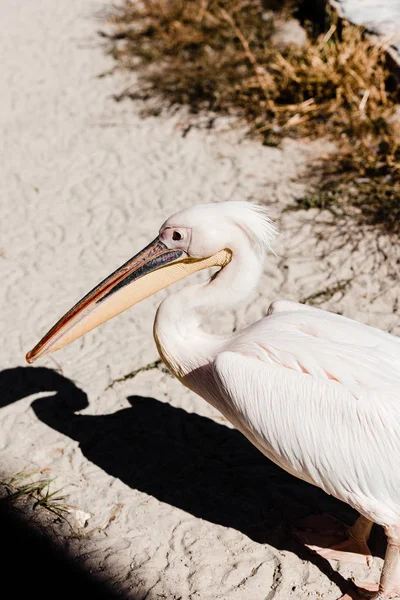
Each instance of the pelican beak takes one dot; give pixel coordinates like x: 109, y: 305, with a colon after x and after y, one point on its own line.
x: 151, y: 270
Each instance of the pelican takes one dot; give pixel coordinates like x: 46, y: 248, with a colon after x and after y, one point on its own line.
x: 315, y: 392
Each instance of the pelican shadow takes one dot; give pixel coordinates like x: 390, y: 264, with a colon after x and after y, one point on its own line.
x: 187, y: 461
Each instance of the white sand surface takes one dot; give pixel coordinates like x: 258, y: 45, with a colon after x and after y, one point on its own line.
x: 178, y: 504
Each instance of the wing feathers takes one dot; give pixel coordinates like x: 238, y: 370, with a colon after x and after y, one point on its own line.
x: 325, y: 346
x: 318, y: 431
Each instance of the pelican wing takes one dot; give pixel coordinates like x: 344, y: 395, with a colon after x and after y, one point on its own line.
x: 326, y: 346
x: 320, y: 395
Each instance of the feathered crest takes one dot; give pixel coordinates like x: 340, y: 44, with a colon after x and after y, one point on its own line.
x: 250, y: 217
x: 254, y: 220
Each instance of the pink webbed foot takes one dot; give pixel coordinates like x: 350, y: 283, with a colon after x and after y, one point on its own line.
x: 369, y: 591
x: 326, y: 536
x: 360, y: 592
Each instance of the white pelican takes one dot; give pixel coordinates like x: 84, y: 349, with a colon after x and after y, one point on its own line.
x: 317, y: 393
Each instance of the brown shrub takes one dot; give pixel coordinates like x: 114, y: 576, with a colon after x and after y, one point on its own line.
x: 218, y: 55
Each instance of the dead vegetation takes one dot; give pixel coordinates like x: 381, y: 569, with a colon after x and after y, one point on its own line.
x: 219, y: 55
x: 157, y: 364
x: 30, y: 489
x: 322, y: 296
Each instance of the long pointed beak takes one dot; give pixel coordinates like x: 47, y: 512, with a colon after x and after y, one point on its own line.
x: 151, y: 270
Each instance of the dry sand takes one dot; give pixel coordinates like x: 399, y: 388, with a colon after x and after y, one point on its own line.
x: 170, y: 502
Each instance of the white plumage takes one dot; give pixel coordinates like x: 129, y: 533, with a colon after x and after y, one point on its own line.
x: 317, y: 393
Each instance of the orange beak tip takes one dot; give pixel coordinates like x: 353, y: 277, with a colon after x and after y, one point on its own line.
x: 29, y: 357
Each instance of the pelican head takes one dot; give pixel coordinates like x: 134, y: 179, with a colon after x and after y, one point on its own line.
x: 193, y: 239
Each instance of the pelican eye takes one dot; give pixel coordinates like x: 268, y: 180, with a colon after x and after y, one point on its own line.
x: 176, y: 236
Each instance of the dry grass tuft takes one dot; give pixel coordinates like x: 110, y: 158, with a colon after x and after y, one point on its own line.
x: 26, y: 487
x: 218, y: 55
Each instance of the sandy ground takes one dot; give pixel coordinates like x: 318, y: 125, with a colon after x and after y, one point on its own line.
x: 173, y: 502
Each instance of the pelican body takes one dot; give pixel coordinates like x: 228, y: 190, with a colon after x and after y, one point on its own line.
x: 315, y: 392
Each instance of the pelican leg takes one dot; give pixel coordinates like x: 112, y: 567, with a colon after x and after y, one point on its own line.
x: 389, y: 584
x: 331, y: 539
